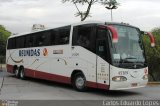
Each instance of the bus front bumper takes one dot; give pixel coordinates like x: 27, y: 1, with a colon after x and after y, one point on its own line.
x: 128, y: 84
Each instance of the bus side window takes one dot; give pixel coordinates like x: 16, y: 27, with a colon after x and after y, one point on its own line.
x: 53, y: 37
x: 46, y: 36
x: 63, y: 35
x: 29, y: 40
x: 43, y: 38
x: 84, y: 35
x: 11, y: 43
x: 20, y: 42
x: 39, y: 39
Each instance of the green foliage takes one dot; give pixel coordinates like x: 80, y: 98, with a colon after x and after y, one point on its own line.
x: 4, y: 34
x: 153, y: 55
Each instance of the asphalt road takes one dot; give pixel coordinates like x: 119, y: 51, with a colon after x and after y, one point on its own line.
x: 12, y: 88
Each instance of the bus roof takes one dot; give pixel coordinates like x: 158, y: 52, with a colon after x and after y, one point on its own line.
x: 74, y: 24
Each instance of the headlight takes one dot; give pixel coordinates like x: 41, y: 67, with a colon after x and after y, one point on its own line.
x: 145, y: 77
x: 119, y: 78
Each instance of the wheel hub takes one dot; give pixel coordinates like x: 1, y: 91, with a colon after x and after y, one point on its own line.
x: 80, y: 82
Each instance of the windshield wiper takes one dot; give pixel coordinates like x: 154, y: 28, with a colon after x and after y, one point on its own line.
x: 125, y: 63
x: 130, y: 58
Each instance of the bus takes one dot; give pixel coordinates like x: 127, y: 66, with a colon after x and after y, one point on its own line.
x: 103, y: 55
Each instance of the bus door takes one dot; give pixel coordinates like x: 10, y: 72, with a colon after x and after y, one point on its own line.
x: 103, y: 56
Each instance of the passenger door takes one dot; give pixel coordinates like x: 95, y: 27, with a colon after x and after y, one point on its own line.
x: 103, y: 58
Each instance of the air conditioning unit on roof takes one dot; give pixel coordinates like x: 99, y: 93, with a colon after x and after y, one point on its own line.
x: 37, y: 27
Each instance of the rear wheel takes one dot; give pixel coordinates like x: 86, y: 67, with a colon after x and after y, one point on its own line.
x: 79, y: 82
x: 17, y: 73
x: 22, y: 74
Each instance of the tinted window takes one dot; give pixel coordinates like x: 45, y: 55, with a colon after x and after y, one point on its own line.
x: 30, y: 41
x: 63, y: 35
x: 60, y: 36
x: 20, y: 41
x: 84, y: 35
x: 11, y: 43
x: 56, y: 36
x: 46, y: 36
x: 103, y: 39
x: 53, y: 37
x: 42, y: 38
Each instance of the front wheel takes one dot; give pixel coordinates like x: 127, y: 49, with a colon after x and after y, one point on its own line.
x: 79, y: 82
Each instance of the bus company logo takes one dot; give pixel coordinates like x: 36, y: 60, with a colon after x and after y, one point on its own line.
x: 45, y: 52
x: 29, y: 52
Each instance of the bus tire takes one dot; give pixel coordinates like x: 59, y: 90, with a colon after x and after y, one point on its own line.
x: 17, y: 73
x: 79, y: 82
x: 22, y: 74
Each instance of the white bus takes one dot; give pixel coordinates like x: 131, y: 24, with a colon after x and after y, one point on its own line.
x: 88, y: 54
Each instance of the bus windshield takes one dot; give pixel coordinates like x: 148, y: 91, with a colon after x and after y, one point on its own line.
x: 128, y: 52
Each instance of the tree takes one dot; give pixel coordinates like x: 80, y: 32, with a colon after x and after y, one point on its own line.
x: 110, y: 5
x: 4, y: 34
x: 156, y: 31
x: 84, y: 14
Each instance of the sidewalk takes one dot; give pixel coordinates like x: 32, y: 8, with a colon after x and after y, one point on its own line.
x: 2, y: 67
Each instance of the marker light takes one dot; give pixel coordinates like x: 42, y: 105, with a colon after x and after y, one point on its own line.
x: 145, y: 71
x: 119, y: 78
x: 145, y: 77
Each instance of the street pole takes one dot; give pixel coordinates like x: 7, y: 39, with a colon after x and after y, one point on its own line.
x: 1, y: 66
x: 111, y: 15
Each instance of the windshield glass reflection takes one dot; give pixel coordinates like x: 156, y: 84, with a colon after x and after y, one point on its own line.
x: 128, y: 52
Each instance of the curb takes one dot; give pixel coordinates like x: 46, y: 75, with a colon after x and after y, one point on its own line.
x: 153, y: 83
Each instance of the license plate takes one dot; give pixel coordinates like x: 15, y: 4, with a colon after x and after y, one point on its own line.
x: 134, y: 84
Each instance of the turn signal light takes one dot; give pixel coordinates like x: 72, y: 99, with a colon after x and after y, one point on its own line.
x: 145, y: 77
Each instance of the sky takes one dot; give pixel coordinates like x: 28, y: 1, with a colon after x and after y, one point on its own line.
x: 19, y: 15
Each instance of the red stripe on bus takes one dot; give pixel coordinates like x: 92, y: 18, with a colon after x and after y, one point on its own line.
x: 97, y: 85
x: 29, y: 73
x: 54, y: 77
x: 9, y: 68
x: 103, y: 86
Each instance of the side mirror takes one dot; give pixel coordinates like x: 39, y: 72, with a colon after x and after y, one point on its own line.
x: 152, y: 39
x: 113, y: 32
